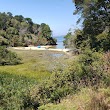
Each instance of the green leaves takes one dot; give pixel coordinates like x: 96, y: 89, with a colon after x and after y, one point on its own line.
x: 13, y: 89
x: 8, y: 58
x: 96, y: 25
x: 17, y: 29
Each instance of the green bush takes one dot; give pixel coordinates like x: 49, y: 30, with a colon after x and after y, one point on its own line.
x: 8, y: 58
x: 93, y: 68
x: 13, y: 90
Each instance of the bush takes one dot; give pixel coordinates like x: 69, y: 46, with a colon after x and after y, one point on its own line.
x: 13, y: 91
x: 51, y: 90
x: 8, y: 58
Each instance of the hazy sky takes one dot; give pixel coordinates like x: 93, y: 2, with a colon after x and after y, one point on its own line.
x: 58, y: 14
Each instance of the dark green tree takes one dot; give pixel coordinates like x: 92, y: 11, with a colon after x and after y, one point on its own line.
x: 8, y: 58
x: 96, y: 17
x: 20, y: 18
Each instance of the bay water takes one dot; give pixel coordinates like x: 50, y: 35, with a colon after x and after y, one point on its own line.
x: 59, y: 45
x: 60, y: 40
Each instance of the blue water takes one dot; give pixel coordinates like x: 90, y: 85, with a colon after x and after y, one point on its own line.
x: 60, y: 40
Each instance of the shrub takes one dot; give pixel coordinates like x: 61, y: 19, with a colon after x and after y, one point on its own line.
x: 51, y: 90
x: 8, y: 58
x: 13, y: 91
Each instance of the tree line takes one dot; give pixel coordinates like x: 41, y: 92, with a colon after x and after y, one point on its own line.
x: 19, y: 31
x: 95, y: 32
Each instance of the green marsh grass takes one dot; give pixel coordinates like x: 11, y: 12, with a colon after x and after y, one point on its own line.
x: 33, y: 65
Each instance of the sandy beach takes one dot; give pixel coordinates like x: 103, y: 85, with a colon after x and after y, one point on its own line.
x: 40, y: 48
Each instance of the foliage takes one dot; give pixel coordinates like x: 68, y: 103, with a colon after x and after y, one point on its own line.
x: 86, y: 71
x: 8, y: 58
x: 67, y: 40
x: 96, y: 25
x: 19, y: 31
x: 90, y: 69
x: 75, y: 40
x: 13, y: 89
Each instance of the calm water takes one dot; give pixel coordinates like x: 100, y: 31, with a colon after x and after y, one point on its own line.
x: 59, y: 45
x: 60, y: 40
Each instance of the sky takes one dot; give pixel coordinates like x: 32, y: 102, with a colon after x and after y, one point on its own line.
x: 58, y: 14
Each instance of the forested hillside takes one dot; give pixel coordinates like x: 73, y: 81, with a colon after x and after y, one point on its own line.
x: 19, y: 31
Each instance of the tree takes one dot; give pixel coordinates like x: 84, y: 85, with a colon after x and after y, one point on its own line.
x: 9, y: 14
x: 3, y: 20
x: 67, y: 40
x: 20, y: 18
x: 96, y: 16
x: 8, y: 58
x: 45, y: 30
x: 29, y: 20
x: 19, y: 31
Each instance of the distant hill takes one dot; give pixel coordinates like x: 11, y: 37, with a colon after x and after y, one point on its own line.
x: 19, y: 31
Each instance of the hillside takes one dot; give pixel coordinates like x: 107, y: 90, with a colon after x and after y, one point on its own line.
x: 19, y: 31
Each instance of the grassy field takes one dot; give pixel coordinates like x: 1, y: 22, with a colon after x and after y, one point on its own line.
x: 33, y: 65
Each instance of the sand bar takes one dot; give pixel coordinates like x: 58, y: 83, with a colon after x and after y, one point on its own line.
x: 41, y: 48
